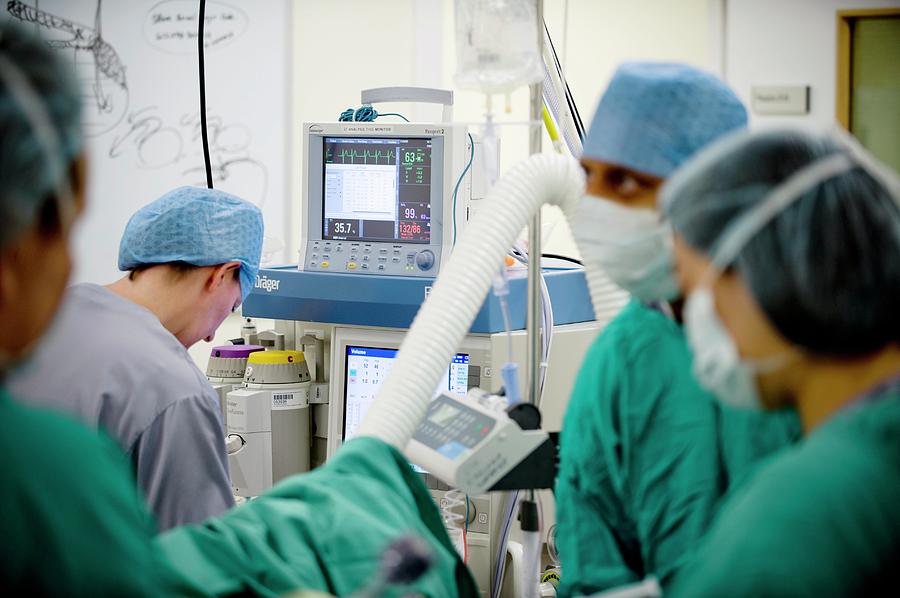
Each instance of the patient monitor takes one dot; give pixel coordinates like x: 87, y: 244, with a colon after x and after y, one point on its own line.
x: 384, y: 198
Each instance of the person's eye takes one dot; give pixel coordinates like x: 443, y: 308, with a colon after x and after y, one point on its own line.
x: 623, y: 184
x: 629, y: 186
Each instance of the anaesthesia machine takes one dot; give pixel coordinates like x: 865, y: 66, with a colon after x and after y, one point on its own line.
x: 384, y: 203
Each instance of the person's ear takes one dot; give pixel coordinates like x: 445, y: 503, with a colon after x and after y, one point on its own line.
x: 221, y: 274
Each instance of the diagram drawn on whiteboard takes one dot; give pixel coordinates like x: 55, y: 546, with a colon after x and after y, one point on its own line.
x: 153, y: 143
x: 100, y: 70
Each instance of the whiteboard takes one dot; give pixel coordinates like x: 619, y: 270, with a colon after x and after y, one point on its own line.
x: 137, y: 64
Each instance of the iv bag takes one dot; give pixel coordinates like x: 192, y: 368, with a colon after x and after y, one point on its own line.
x: 497, y: 45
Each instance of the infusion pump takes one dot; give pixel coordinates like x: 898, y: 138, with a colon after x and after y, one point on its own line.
x: 378, y: 198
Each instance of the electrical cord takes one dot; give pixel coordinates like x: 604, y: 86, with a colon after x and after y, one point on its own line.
x: 466, y: 534
x: 570, y: 100
x: 564, y: 258
x: 392, y: 114
x: 460, y: 180
x: 520, y: 254
x: 203, y: 134
x: 365, y: 114
x: 500, y: 561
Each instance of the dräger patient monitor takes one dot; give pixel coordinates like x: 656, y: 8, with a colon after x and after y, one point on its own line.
x: 378, y: 198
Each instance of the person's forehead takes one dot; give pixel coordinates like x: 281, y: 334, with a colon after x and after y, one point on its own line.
x: 595, y: 164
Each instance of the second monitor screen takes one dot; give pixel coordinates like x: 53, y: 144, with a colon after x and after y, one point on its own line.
x: 377, y: 189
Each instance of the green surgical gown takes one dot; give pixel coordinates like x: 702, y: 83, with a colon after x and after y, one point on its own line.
x: 71, y: 518
x: 73, y: 523
x: 323, y: 530
x: 647, y: 455
x: 820, y: 519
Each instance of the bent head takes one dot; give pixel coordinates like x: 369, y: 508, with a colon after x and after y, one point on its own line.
x: 782, y: 243
x: 652, y: 118
x: 202, y: 296
x: 42, y: 184
x: 203, y: 243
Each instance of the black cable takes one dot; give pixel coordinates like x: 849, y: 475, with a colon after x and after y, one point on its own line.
x: 574, y: 107
x: 203, y: 134
x: 570, y: 99
x: 564, y: 258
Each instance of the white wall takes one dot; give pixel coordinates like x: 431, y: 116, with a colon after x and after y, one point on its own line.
x: 341, y: 48
x: 787, y: 42
x: 337, y: 52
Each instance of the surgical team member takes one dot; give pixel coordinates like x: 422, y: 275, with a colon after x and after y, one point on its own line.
x: 646, y: 453
x: 72, y: 520
x: 788, y: 247
x: 117, y: 356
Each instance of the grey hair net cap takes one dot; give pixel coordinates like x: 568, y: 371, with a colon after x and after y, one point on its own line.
x: 29, y: 177
x: 825, y: 270
x: 653, y: 116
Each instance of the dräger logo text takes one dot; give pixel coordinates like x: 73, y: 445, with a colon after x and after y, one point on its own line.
x: 266, y: 283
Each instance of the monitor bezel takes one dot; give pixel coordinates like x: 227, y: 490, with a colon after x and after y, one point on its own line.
x: 478, y: 347
x: 346, y: 370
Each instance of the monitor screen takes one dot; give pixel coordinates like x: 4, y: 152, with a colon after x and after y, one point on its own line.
x: 377, y: 189
x: 365, y: 368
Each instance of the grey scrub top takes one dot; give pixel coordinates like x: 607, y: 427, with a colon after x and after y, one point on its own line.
x: 112, y: 364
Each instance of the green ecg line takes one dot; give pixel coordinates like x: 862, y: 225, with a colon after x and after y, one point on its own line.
x: 351, y: 156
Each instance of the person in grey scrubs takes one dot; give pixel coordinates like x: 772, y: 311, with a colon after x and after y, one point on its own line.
x: 117, y: 357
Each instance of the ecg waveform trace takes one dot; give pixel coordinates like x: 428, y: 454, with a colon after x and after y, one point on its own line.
x: 387, y: 157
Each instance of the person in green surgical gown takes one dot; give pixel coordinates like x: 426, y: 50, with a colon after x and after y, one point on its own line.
x: 646, y: 453
x: 71, y: 517
x: 787, y: 244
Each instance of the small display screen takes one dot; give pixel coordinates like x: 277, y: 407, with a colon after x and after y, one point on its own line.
x: 377, y: 189
x: 451, y: 428
x: 366, y: 368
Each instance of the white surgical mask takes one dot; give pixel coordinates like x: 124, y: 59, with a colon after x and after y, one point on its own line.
x: 630, y: 245
x: 718, y: 365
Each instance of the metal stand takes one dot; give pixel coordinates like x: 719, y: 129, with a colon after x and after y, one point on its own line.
x: 533, y: 318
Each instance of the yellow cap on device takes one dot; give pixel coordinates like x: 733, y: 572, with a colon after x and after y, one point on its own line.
x: 276, y: 357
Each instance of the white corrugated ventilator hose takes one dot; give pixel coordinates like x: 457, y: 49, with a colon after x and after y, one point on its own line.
x: 460, y: 289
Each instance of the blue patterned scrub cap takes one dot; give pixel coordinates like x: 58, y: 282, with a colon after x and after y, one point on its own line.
x: 198, y: 226
x: 654, y: 116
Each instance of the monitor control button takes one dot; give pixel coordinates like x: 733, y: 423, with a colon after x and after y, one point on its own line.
x: 425, y: 259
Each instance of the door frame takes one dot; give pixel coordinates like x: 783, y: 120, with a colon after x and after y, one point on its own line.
x: 845, y: 21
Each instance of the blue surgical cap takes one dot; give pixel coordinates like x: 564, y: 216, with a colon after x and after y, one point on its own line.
x: 654, y: 116
x: 198, y: 226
